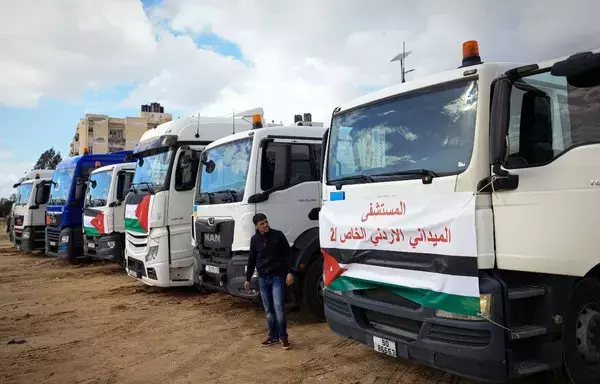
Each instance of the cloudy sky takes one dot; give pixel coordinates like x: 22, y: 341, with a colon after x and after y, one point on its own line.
x: 62, y: 58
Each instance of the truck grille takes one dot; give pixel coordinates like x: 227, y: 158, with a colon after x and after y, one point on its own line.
x: 52, y: 236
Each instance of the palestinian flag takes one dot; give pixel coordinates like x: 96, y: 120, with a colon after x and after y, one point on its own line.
x: 137, y: 213
x: 423, y: 248
x: 94, y: 223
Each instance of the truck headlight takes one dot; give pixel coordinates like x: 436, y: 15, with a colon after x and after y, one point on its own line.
x: 26, y: 234
x: 64, y: 239
x: 485, y: 305
x: 152, y: 253
x: 111, y: 244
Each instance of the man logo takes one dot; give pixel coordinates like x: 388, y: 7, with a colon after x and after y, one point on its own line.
x: 212, y: 237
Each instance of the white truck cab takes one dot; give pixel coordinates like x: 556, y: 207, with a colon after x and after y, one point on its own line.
x: 104, y: 211
x: 458, y: 216
x: 158, y: 208
x: 28, y: 212
x: 272, y: 170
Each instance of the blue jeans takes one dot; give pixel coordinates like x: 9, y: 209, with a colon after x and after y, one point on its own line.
x: 272, y: 292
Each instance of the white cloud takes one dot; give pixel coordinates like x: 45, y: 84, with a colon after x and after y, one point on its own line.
x: 10, y: 172
x: 310, y: 56
x: 61, y: 48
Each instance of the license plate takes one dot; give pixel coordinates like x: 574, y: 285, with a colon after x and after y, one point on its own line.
x: 91, y: 245
x: 384, y: 346
x: 53, y: 243
x: 212, y: 269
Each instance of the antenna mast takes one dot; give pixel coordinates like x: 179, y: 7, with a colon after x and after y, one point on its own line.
x: 402, y: 58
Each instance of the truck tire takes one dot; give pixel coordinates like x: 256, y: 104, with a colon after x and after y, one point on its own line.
x: 313, y: 289
x: 581, y: 338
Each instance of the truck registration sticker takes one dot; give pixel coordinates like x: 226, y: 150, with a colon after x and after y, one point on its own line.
x: 384, y: 346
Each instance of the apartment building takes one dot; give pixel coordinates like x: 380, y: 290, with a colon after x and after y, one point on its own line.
x: 104, y: 134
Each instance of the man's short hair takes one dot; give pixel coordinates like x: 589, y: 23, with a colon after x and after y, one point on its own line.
x: 258, y: 218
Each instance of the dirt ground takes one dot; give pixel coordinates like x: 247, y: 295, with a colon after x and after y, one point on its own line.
x: 90, y: 323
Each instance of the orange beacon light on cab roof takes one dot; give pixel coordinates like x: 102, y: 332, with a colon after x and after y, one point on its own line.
x: 471, y: 56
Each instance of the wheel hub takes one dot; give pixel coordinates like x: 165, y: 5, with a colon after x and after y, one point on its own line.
x: 588, y: 336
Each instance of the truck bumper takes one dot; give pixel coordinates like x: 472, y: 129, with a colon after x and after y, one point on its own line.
x: 473, y: 349
x: 106, y: 247
x: 29, y: 239
x: 65, y: 243
x: 229, y: 278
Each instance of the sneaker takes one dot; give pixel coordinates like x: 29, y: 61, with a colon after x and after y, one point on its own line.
x: 268, y: 341
x: 285, y: 344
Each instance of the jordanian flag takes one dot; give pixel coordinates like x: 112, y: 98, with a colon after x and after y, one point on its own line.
x: 137, y: 213
x: 94, y: 223
x: 422, y: 248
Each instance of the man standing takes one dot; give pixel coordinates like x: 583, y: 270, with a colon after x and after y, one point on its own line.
x: 270, y: 255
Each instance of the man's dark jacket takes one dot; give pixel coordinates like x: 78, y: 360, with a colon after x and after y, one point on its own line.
x: 269, y: 254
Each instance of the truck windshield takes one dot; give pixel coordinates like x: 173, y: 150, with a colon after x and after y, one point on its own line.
x: 431, y: 129
x: 227, y: 182
x: 151, y: 172
x: 61, y: 186
x: 24, y: 193
x: 97, y: 191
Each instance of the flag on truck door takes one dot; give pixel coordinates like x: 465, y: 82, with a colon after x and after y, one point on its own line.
x: 137, y: 213
x: 95, y: 223
x: 423, y: 249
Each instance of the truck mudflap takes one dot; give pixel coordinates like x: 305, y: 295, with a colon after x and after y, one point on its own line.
x: 107, y: 247
x: 401, y: 328
x: 65, y: 243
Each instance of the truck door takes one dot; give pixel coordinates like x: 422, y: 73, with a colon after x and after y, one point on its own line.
x: 180, y: 206
x: 289, y: 174
x: 546, y: 221
x: 124, y: 179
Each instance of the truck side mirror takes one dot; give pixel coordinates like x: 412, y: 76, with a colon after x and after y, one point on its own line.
x: 41, y: 197
x: 80, y: 187
x: 210, y: 166
x: 499, y: 119
x: 323, y: 150
x: 187, y: 168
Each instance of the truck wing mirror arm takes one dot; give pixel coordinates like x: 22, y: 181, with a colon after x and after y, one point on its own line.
x: 500, y: 179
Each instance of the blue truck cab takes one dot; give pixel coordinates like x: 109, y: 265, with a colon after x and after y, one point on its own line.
x: 64, y: 211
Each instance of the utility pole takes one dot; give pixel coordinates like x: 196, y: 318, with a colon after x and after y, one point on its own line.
x: 402, y: 57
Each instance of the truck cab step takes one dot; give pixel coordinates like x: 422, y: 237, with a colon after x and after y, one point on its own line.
x: 527, y: 331
x: 529, y: 367
x: 525, y: 292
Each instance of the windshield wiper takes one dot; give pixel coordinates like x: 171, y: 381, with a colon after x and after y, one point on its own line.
x: 427, y: 175
x: 364, y: 178
x: 420, y: 172
x: 148, y: 185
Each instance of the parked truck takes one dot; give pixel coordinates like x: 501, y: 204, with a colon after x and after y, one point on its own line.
x: 272, y: 170
x: 64, y: 211
x: 28, y: 213
x: 458, y: 216
x: 158, y: 209
x: 104, y: 212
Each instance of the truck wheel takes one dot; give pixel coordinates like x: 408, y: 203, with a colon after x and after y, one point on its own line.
x: 581, y: 339
x: 313, y: 289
